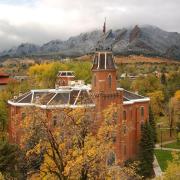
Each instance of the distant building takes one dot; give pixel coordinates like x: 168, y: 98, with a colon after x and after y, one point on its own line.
x: 4, y: 80
x: 20, y: 78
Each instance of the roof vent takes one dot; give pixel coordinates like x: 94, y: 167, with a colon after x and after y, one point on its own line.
x: 15, y: 97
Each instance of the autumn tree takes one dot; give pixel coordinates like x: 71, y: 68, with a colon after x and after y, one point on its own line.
x: 145, y: 85
x: 157, y: 102
x: 174, y: 112
x: 173, y: 84
x: 44, y: 75
x: 73, y: 143
x: 163, y: 79
x: 125, y: 83
x: 173, y: 168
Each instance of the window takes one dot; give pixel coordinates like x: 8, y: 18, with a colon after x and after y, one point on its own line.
x: 114, y: 138
x: 111, y: 159
x: 142, y: 124
x: 124, y: 129
x: 102, y: 61
x: 54, y: 121
x: 94, y: 80
x: 124, y: 149
x: 95, y: 64
x: 131, y: 114
x: 110, y: 63
x: 96, y: 60
x: 115, y: 117
x: 63, y: 74
x: 142, y: 111
x: 110, y: 81
x: 124, y: 115
x: 23, y: 115
x: 63, y: 83
x: 69, y: 74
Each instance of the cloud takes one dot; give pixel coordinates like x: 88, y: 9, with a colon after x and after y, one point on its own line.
x: 38, y: 21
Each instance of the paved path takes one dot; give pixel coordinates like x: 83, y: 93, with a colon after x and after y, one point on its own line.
x: 156, y: 167
x: 164, y: 143
x: 158, y: 146
x: 157, y: 170
x: 168, y: 149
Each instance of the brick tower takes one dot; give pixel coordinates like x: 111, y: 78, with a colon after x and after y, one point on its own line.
x: 104, y: 83
x: 104, y: 90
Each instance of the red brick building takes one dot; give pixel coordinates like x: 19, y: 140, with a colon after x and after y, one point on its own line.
x: 103, y: 91
x: 4, y: 80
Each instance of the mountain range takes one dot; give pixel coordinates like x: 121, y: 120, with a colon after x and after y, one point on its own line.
x: 146, y: 40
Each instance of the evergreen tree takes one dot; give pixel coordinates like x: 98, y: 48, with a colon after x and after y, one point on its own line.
x: 146, y: 153
x: 12, y: 161
x: 153, y: 124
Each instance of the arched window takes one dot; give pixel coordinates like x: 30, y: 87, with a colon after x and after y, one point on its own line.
x: 111, y: 159
x: 142, y: 111
x: 124, y: 129
x: 23, y: 115
x: 124, y: 149
x: 94, y: 79
x: 124, y: 115
x: 110, y: 81
x: 54, y: 121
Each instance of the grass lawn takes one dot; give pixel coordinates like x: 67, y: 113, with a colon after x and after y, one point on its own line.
x: 163, y: 156
x: 174, y: 145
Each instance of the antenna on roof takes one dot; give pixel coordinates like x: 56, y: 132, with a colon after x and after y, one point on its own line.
x: 104, y: 27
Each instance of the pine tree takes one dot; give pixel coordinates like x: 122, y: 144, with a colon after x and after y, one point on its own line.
x: 153, y: 124
x: 146, y: 153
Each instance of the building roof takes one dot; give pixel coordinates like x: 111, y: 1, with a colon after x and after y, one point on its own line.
x: 131, y: 97
x: 65, y: 74
x: 68, y: 96
x: 5, y: 80
x: 72, y: 97
x: 3, y: 74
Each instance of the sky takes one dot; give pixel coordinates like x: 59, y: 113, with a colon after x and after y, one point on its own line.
x: 39, y: 21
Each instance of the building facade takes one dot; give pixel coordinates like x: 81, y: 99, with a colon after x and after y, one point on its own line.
x: 103, y: 91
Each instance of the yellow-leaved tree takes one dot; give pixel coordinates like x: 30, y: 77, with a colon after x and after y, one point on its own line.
x: 157, y: 98
x: 173, y: 168
x: 72, y: 144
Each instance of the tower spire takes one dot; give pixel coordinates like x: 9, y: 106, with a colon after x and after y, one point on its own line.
x: 104, y: 26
